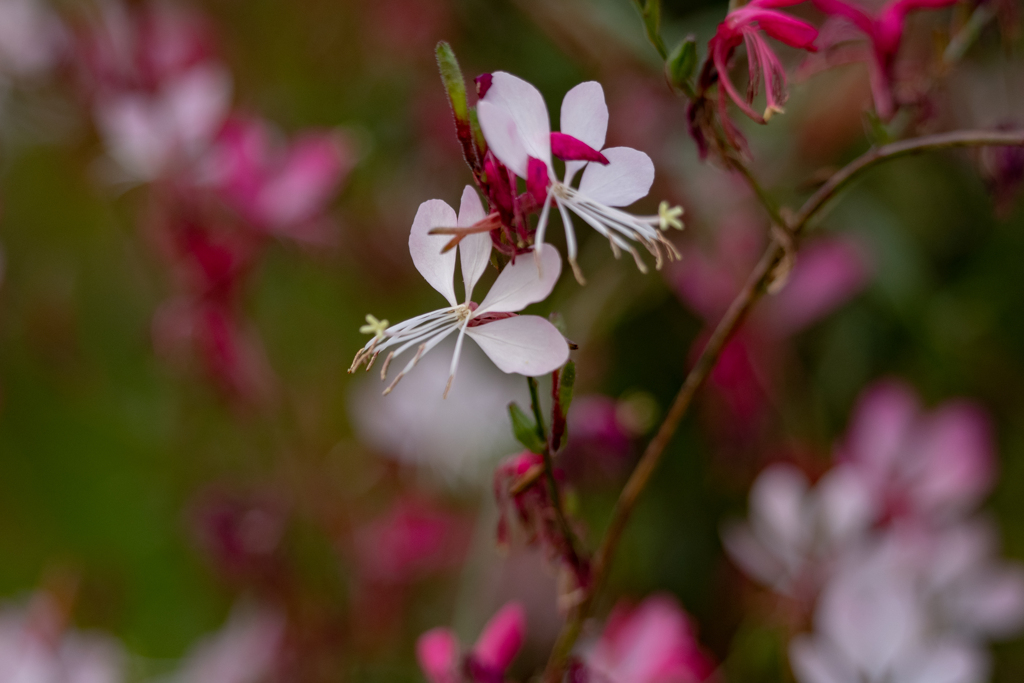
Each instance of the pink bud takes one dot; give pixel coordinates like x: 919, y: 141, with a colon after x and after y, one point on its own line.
x: 501, y: 638
x: 568, y: 148
x: 437, y: 652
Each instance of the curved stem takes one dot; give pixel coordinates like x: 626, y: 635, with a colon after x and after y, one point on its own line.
x: 755, y: 286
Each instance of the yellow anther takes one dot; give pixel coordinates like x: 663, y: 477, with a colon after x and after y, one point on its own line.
x: 771, y: 111
x: 668, y: 216
x: 374, y: 327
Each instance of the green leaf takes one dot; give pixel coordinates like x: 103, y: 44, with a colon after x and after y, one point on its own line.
x: 525, y: 429
x: 650, y: 12
x: 566, y: 385
x: 682, y: 64
x: 454, y: 83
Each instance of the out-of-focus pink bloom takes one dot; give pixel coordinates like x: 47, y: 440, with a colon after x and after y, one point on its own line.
x: 247, y: 649
x: 36, y: 648
x: 653, y: 642
x: 514, y: 120
x: 412, y: 540
x: 158, y: 92
x: 796, y: 531
x: 32, y: 38
x: 885, y: 31
x: 501, y: 639
x: 281, y: 188
x: 925, y: 465
x: 601, y: 440
x: 522, y: 344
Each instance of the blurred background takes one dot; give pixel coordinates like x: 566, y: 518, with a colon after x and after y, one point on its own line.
x: 184, y: 458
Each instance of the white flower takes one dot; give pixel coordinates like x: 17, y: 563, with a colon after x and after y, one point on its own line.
x: 514, y: 120
x: 527, y: 345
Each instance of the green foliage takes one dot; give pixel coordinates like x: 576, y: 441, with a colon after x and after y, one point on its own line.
x: 682, y: 64
x: 525, y: 429
x: 650, y: 12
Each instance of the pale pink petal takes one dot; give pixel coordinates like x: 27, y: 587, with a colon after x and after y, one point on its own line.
x: 627, y: 177
x: 520, y: 284
x: 503, y: 137
x: 437, y: 652
x: 135, y: 134
x: 957, y: 457
x: 525, y: 106
x: 815, y: 662
x: 845, y: 504
x: 526, y: 344
x: 777, y: 508
x: 993, y: 602
x: 474, y: 250
x: 585, y: 117
x: 436, y: 268
x: 880, y: 428
x: 502, y: 637
x: 951, y: 661
x: 197, y: 103
x: 585, y: 114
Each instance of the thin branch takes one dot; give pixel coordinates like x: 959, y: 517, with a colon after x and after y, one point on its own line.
x: 755, y: 286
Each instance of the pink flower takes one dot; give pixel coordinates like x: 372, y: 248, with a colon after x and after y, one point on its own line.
x: 651, y: 643
x: 158, y: 93
x: 32, y: 38
x: 742, y: 25
x: 522, y: 344
x: 885, y: 31
x: 514, y: 120
x: 439, y: 654
x: 926, y: 466
x: 279, y: 188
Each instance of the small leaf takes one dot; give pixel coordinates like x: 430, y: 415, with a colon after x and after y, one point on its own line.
x: 525, y: 429
x: 682, y: 64
x: 454, y: 83
x: 566, y: 387
x: 650, y: 12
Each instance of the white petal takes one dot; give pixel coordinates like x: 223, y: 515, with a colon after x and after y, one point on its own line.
x: 627, y: 177
x: 526, y: 344
x: 198, y: 102
x: 436, y: 268
x: 520, y: 284
x: 585, y: 114
x: 815, y: 662
x: 475, y: 250
x: 753, y: 557
x: 948, y: 662
x: 778, y: 511
x: 503, y: 138
x: 525, y: 106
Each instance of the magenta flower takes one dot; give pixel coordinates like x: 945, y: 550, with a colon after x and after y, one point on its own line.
x: 653, y: 642
x: 885, y: 31
x: 279, y: 188
x: 441, y: 660
x: 743, y: 25
x: 514, y: 119
x: 523, y: 344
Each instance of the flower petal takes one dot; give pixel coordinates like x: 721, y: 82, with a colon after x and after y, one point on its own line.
x: 501, y: 638
x: 436, y: 268
x: 526, y: 344
x: 525, y: 106
x: 815, y: 662
x: 475, y: 250
x: 627, y: 177
x: 789, y: 30
x: 585, y: 114
x: 437, y: 652
x: 520, y: 284
x: 503, y: 138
